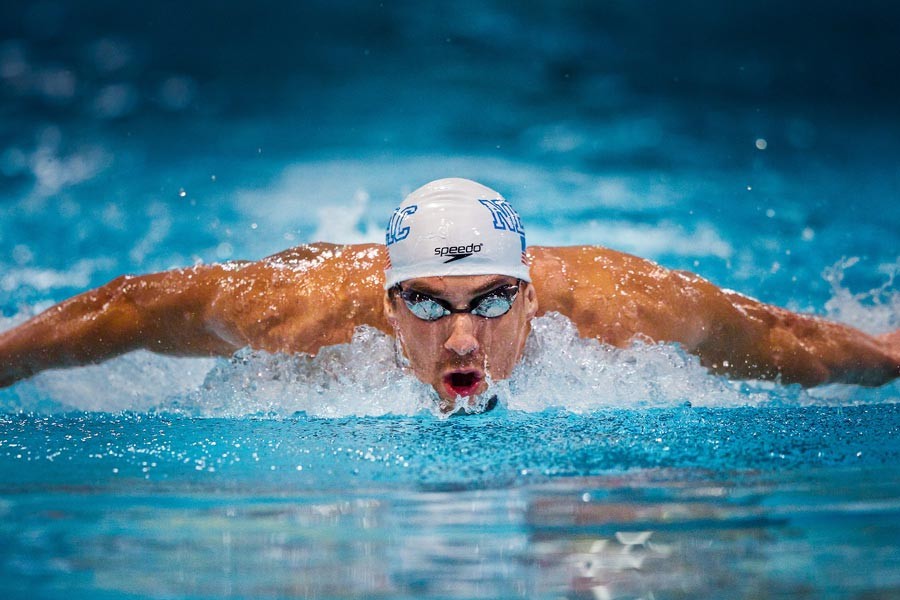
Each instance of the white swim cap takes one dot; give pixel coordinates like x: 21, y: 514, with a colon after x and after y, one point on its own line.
x: 454, y: 227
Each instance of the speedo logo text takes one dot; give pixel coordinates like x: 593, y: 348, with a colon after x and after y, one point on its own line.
x: 458, y: 252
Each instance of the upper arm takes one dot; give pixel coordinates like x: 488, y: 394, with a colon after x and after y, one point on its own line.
x: 617, y: 298
x: 730, y: 333
x: 165, y: 312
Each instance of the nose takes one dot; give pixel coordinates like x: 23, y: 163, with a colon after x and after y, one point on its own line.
x: 462, y: 338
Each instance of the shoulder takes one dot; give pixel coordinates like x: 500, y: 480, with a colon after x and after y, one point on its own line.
x: 359, y: 255
x: 584, y: 283
x: 891, y: 343
x: 319, y: 270
x: 322, y: 263
x: 304, y: 297
x: 611, y: 295
x: 598, y: 269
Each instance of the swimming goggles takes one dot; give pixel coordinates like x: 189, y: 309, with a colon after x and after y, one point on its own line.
x: 491, y: 305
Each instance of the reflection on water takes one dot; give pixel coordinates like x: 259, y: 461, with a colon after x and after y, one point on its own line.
x: 728, y: 503
x: 647, y: 535
x: 604, y: 568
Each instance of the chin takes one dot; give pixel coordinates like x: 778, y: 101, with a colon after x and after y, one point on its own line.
x: 450, y: 402
x: 476, y: 404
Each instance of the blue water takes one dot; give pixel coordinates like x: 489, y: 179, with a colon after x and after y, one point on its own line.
x: 670, y: 502
x: 756, y: 146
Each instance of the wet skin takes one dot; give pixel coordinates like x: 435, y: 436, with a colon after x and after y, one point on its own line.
x: 457, y: 353
x: 312, y: 296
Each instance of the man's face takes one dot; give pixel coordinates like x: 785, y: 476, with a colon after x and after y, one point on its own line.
x: 454, y: 353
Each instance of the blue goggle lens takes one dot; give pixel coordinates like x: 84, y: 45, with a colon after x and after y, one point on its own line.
x: 495, y: 303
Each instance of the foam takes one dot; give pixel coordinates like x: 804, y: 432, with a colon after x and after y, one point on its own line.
x: 359, y: 378
x: 138, y: 381
x: 365, y: 378
x: 874, y: 311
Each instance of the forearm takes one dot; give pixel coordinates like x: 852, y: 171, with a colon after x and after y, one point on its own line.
x: 755, y: 340
x: 151, y: 311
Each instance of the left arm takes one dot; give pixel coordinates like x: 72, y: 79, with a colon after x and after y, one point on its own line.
x: 617, y: 298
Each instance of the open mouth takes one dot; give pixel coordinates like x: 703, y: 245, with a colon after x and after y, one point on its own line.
x: 462, y: 383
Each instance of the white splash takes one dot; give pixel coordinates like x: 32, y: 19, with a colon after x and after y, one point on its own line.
x: 138, y: 381
x: 359, y: 378
x: 874, y: 311
x: 560, y: 369
x: 364, y: 378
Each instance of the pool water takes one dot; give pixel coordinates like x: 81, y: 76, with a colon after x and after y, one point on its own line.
x: 755, y: 146
x: 677, y: 502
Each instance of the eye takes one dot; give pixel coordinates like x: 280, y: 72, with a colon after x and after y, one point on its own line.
x: 496, y: 303
x: 493, y: 306
x: 425, y: 308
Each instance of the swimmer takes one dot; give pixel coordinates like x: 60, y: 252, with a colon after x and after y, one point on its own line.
x: 457, y: 287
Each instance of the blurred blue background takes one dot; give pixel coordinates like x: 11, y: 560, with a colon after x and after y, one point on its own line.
x: 754, y: 143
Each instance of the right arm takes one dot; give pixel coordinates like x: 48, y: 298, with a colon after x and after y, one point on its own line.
x: 296, y: 301
x: 166, y: 312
